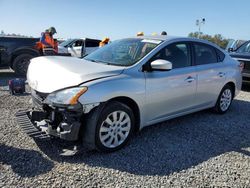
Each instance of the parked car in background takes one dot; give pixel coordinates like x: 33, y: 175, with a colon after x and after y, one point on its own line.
x: 125, y: 86
x: 79, y: 47
x: 234, y: 44
x: 242, y: 54
x: 16, y: 52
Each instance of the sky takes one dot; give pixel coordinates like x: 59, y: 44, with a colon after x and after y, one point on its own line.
x: 124, y: 18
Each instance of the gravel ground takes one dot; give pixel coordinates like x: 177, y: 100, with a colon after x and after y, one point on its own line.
x: 198, y: 150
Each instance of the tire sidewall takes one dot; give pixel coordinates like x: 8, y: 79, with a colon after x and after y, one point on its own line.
x: 109, y: 108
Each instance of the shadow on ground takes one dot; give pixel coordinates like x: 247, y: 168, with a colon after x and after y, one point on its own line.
x: 171, y: 146
x: 25, y: 163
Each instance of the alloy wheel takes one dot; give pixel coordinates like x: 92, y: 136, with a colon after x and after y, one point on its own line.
x: 115, y: 129
x: 225, y: 99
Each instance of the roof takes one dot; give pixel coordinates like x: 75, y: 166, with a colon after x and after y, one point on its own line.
x: 158, y: 37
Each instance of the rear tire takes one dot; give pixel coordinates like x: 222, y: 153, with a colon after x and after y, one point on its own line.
x: 21, y: 63
x: 224, y: 100
x: 109, y: 128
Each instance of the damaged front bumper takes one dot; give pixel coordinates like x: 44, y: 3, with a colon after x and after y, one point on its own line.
x: 56, y: 122
x: 53, y: 120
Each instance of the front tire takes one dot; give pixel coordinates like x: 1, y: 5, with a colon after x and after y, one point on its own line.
x: 109, y: 128
x: 21, y: 63
x: 224, y: 100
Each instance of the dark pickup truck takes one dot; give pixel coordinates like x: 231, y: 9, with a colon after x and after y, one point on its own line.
x: 16, y: 53
x: 242, y: 54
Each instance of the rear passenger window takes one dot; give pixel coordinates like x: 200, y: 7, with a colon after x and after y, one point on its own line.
x: 77, y: 43
x: 204, y: 54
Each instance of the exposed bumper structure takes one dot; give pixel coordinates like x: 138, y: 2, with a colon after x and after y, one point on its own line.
x: 28, y: 127
x: 38, y: 124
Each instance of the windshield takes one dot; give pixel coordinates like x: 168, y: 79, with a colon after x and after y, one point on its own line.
x: 66, y: 43
x: 230, y: 44
x: 123, y: 52
x: 245, y: 48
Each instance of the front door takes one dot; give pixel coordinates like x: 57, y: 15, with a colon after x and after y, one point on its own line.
x: 76, y: 48
x: 169, y: 93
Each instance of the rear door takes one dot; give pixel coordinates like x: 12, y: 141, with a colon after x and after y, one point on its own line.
x: 211, y: 73
x: 169, y: 93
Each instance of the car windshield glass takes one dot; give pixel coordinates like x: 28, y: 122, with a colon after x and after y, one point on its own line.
x: 66, y: 43
x: 230, y: 44
x: 245, y: 48
x: 123, y: 52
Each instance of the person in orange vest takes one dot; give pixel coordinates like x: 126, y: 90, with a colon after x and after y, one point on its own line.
x: 104, y: 42
x: 47, y: 44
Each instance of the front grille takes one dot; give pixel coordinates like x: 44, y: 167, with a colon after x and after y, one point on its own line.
x: 246, y: 78
x: 247, y: 66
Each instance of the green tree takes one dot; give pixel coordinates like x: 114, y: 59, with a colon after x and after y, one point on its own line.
x: 217, y: 39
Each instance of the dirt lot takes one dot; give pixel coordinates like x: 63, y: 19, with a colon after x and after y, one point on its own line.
x: 199, y: 150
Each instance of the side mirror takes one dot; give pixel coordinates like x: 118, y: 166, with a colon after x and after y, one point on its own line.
x: 161, y: 65
x: 230, y: 50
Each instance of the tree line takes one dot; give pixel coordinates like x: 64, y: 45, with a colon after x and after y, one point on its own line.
x: 217, y: 39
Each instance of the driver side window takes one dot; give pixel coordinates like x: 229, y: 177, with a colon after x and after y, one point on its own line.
x: 77, y: 43
x: 176, y: 53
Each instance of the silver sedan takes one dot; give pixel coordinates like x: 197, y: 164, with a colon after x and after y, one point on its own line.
x: 129, y: 84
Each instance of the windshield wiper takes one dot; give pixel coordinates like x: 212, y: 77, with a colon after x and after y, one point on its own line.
x: 92, y: 60
x: 104, y: 62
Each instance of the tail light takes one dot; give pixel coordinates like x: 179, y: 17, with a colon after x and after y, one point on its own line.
x: 241, y: 65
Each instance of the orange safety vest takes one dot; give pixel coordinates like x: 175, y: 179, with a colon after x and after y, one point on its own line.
x: 49, y: 40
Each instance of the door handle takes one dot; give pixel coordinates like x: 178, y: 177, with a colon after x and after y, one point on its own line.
x: 221, y: 74
x: 190, y: 79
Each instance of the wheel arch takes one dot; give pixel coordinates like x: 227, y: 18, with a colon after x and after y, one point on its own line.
x: 21, y: 51
x: 232, y: 85
x: 134, y: 107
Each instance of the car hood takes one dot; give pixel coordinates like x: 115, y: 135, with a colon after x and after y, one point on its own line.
x: 240, y: 55
x: 51, y: 73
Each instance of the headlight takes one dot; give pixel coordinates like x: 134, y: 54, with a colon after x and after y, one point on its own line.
x: 66, y: 97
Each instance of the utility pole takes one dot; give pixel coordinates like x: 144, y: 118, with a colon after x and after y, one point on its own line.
x: 199, y: 23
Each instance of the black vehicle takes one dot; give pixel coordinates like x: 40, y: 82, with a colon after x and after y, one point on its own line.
x: 242, y: 54
x: 16, y: 52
